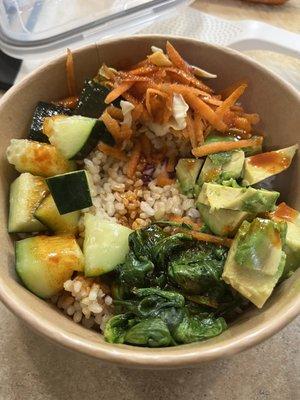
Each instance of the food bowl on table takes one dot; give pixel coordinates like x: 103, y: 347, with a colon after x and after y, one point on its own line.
x: 276, y: 102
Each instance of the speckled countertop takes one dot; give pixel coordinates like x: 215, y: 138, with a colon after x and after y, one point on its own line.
x: 32, y: 368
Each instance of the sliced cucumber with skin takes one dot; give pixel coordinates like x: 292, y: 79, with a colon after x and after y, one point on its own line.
x: 76, y: 136
x: 42, y: 111
x: 49, y: 215
x: 44, y: 263
x: 105, y: 245
x: 26, y: 193
x: 40, y: 159
x: 71, y: 191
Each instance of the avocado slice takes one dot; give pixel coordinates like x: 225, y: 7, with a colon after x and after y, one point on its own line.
x: 264, y: 165
x: 223, y: 222
x: 243, y: 199
x: 222, y: 166
x: 187, y: 171
x: 292, y: 244
x: 256, y: 260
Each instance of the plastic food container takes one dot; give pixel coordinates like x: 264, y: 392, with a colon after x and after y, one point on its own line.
x: 37, y: 28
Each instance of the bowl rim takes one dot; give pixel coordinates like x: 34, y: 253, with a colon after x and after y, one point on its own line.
x: 136, y: 356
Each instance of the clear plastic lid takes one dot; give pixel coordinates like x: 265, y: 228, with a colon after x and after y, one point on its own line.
x: 30, y: 28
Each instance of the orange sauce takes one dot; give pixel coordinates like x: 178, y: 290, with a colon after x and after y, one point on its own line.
x: 272, y: 161
x: 286, y: 213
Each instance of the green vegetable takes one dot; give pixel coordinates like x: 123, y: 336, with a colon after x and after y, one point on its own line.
x: 199, y: 269
x: 42, y: 111
x: 151, y: 332
x: 194, y: 329
x: 116, y: 327
x: 219, y: 159
x: 135, y: 272
x: 187, y: 171
x: 71, y: 191
x: 76, y: 136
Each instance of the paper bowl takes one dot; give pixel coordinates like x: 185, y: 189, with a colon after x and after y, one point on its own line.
x: 279, y: 107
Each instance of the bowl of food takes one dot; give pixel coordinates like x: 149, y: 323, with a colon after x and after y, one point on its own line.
x: 148, y: 212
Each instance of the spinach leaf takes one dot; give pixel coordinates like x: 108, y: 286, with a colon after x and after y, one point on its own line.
x: 193, y: 329
x: 135, y: 272
x: 197, y: 270
x: 168, y: 246
x: 152, y: 332
x: 117, y: 326
x: 143, y: 241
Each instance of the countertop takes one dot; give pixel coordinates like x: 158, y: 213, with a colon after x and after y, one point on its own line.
x: 32, y: 368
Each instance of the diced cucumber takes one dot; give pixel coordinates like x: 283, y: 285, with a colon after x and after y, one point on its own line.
x: 42, y: 111
x: 44, y: 263
x: 70, y: 191
x: 48, y: 214
x: 26, y: 193
x: 105, y: 245
x: 75, y: 137
x: 37, y: 158
x: 91, y: 100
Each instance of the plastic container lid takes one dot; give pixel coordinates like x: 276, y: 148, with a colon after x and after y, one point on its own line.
x: 33, y: 28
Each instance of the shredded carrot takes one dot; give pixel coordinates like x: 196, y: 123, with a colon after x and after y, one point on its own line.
x: 199, y: 106
x: 134, y: 160
x: 252, y: 118
x: 190, y: 130
x: 163, y: 179
x: 242, y: 124
x: 230, y: 89
x: 112, y: 125
x: 118, y: 91
x: 184, y: 220
x: 114, y: 152
x: 217, y: 147
x: 153, y: 92
x: 170, y: 167
x: 205, y: 237
x: 144, y: 70
x: 125, y: 132
x: 146, y: 147
x: 69, y: 102
x: 231, y: 100
x: 198, y: 128
x: 188, y: 78
x: 115, y: 112
x: 176, y: 58
x: 70, y: 74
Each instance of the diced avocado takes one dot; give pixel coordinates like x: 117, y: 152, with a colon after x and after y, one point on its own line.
x: 222, y: 166
x: 255, y: 260
x: 44, y: 263
x: 243, y: 199
x: 26, y: 193
x: 292, y: 244
x: 187, y: 171
x: 223, y: 222
x: 105, y: 245
x: 264, y: 165
x: 234, y: 136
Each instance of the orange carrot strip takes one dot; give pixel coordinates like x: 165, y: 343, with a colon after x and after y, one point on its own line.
x: 125, y: 132
x: 118, y: 91
x: 217, y: 147
x: 171, y: 164
x: 205, y: 237
x: 176, y: 58
x: 190, y: 130
x: 134, y: 160
x: 115, y: 112
x: 69, y: 102
x: 144, y: 70
x: 112, y: 125
x: 114, y: 152
x: 188, y: 78
x: 198, y: 128
x: 70, y: 74
x: 231, y: 100
x: 185, y: 220
x: 163, y: 179
x: 230, y: 89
